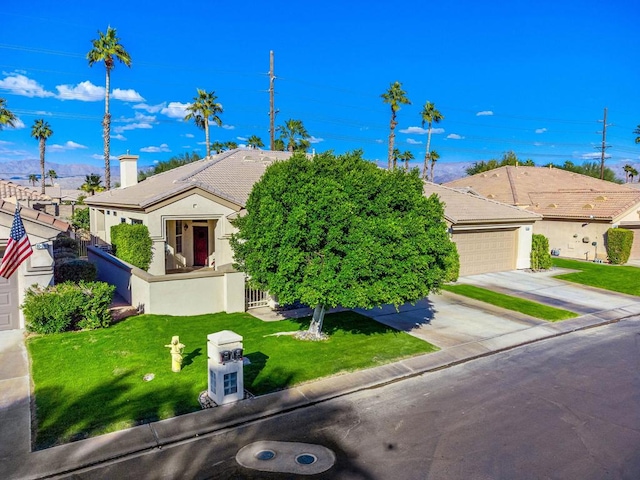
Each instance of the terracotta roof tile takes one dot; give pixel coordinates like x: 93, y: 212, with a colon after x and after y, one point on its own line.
x: 33, y: 215
x: 9, y: 189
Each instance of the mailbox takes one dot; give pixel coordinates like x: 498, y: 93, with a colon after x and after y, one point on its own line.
x: 226, y: 382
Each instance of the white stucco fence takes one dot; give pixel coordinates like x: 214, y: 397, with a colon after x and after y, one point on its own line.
x: 193, y: 293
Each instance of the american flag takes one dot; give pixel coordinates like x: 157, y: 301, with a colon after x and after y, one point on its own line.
x: 18, y: 247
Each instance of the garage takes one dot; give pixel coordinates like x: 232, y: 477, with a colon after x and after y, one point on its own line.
x: 486, y: 251
x: 9, y: 312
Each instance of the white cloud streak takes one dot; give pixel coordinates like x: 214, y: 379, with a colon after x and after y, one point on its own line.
x: 175, y: 110
x: 541, y: 130
x: 411, y: 141
x: 455, y: 136
x: 162, y: 148
x: 129, y: 95
x: 484, y: 113
x: 19, y: 84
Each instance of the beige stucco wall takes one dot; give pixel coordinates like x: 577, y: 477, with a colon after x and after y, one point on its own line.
x: 574, y: 238
x: 523, y: 247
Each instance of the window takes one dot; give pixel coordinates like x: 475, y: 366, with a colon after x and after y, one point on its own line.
x: 136, y: 221
x: 178, y: 236
x: 230, y: 383
x: 123, y: 220
x: 212, y: 381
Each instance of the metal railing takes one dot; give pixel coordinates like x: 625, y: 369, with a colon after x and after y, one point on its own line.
x: 255, y: 298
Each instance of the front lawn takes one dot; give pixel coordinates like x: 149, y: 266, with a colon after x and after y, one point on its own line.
x: 528, y: 307
x: 616, y: 278
x: 90, y: 383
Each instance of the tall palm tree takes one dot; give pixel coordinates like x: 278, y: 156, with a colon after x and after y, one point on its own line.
x: 396, y: 157
x: 218, y: 147
x: 430, y: 114
x: 254, y: 142
x: 290, y: 132
x: 627, y: 169
x: 92, y: 183
x: 406, y: 157
x: 637, y: 132
x: 633, y: 173
x: 33, y: 178
x: 41, y: 131
x: 107, y: 48
x: 395, y: 97
x: 205, y: 108
x: 434, y: 157
x: 6, y: 116
x: 52, y: 176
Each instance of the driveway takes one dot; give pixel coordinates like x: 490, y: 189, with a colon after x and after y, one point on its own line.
x: 448, y: 320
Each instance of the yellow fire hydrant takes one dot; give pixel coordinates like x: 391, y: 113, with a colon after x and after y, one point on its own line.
x: 176, y: 353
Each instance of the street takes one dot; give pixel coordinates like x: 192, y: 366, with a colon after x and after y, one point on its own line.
x: 562, y: 408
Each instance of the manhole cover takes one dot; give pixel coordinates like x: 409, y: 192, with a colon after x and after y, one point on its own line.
x: 265, y: 455
x: 286, y: 457
x: 306, y: 459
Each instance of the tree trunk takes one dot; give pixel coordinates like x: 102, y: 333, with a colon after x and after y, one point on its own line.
x: 427, y: 155
x: 206, y: 136
x: 42, y: 177
x: 433, y: 162
x: 106, y: 132
x: 315, y: 327
x: 392, y: 137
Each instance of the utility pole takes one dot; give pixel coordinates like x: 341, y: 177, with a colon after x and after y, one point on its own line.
x: 272, y: 112
x: 604, y: 144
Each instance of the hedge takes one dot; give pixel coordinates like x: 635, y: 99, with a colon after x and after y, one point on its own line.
x: 619, y: 242
x: 132, y: 243
x: 540, y: 254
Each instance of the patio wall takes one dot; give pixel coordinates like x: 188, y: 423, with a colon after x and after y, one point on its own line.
x: 193, y: 293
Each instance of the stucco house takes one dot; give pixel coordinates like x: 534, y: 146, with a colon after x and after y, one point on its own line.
x: 37, y: 269
x: 576, y: 210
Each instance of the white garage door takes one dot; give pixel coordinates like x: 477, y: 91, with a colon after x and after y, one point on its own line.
x: 9, y: 313
x: 486, y: 251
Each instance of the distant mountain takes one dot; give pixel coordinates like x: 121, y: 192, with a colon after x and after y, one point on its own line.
x: 69, y: 175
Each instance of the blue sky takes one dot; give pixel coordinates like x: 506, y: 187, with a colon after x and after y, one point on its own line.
x: 532, y: 77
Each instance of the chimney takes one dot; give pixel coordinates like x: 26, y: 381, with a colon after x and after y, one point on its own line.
x: 128, y: 170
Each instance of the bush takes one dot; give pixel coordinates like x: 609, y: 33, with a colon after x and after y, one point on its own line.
x: 80, y: 219
x: 68, y: 306
x: 619, y: 242
x: 74, y: 270
x: 132, y: 244
x: 540, y: 255
x: 65, y: 243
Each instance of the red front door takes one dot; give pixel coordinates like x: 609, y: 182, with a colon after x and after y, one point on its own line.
x: 200, y: 246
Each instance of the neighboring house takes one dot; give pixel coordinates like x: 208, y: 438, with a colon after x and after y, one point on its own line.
x: 490, y: 236
x: 27, y: 196
x: 576, y: 210
x: 37, y: 269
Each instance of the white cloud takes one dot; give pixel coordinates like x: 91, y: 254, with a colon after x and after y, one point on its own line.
x: 129, y: 95
x: 150, y: 108
x: 175, y: 110
x: 455, y: 136
x: 84, y: 91
x: 541, y: 130
x: 590, y: 156
x: 537, y: 144
x: 162, y: 148
x: 411, y: 141
x: 132, y: 126
x: 139, y: 121
x: 379, y: 141
x: 17, y: 125
x: 242, y: 139
x: 228, y: 127
x: 484, y: 113
x: 19, y: 84
x: 119, y: 137
x: 139, y: 118
x: 100, y: 156
x: 313, y: 139
x: 70, y: 145
x: 189, y: 135
x: 415, y: 130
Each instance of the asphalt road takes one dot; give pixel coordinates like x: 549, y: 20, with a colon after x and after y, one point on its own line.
x: 563, y: 408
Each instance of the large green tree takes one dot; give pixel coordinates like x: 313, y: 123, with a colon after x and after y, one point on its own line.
x: 205, y: 108
x: 430, y: 115
x: 7, y: 117
x: 395, y: 97
x: 336, y: 230
x: 294, y: 136
x: 107, y: 49
x: 41, y: 131
x: 508, y: 158
x: 590, y: 169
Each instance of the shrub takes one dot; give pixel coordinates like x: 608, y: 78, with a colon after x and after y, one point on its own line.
x: 80, y: 219
x: 65, y: 243
x: 132, y: 244
x: 68, y: 306
x: 74, y: 270
x: 540, y: 255
x: 619, y: 242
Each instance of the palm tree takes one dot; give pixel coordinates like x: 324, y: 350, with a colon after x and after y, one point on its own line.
x: 6, y: 116
x: 429, y: 115
x: 289, y: 134
x: 434, y: 156
x: 92, y: 183
x: 254, y: 142
x: 205, y: 108
x: 52, y: 176
x: 230, y: 145
x: 633, y: 173
x: 396, y: 157
x: 33, y: 178
x: 406, y: 157
x: 218, y: 147
x: 627, y: 169
x: 395, y: 97
x: 41, y: 131
x: 107, y: 48
x: 637, y: 132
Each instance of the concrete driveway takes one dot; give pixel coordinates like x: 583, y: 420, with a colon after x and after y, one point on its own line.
x: 448, y: 320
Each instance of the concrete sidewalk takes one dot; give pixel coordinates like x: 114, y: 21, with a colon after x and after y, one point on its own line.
x: 462, y: 328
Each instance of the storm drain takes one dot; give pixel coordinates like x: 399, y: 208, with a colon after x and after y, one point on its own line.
x: 286, y: 457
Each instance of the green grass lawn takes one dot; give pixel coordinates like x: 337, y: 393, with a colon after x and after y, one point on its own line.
x: 528, y: 307
x: 90, y: 383
x: 616, y: 278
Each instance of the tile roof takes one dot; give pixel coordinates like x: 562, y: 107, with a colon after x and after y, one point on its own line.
x: 35, y: 216
x: 463, y: 207
x: 552, y: 192
x: 229, y: 175
x: 9, y: 189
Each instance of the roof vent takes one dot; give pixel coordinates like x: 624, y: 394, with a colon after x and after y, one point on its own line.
x: 552, y: 205
x: 491, y: 195
x: 589, y: 206
x: 601, y: 198
x: 248, y: 158
x: 495, y: 175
